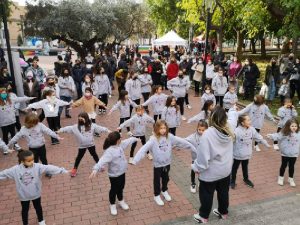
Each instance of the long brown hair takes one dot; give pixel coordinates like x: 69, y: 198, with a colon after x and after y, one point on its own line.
x: 88, y: 122
x: 157, y: 126
x: 169, y: 102
x: 286, y: 130
x: 7, y: 99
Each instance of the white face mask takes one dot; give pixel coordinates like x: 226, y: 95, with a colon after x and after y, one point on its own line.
x: 207, y: 91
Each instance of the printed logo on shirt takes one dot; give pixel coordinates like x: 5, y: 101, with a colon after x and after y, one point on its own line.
x: 164, y: 146
x: 26, y: 178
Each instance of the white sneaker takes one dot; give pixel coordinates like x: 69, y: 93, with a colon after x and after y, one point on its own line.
x: 149, y: 156
x: 129, y: 134
x: 183, y: 118
x: 257, y: 148
x: 130, y: 160
x: 292, y: 182
x: 17, y: 147
x: 123, y: 205
x: 199, y: 219
x: 113, y: 210
x: 189, y: 106
x: 276, y: 147
x: 158, y: 200
x: 166, y: 196
x: 193, y: 188
x: 42, y: 222
x: 280, y: 181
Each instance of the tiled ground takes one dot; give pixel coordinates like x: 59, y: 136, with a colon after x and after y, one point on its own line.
x: 78, y: 200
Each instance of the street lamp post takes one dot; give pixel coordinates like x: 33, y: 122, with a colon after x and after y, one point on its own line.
x: 6, y: 33
x: 208, y: 7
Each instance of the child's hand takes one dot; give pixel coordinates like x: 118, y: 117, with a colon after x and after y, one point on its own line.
x: 58, y: 132
x: 119, y: 129
x: 59, y: 138
x: 109, y: 96
x: 269, y: 136
x: 267, y: 145
x: 93, y: 174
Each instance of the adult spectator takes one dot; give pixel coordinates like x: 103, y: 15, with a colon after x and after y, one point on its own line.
x: 121, y: 78
x: 250, y: 74
x: 58, y: 65
x: 123, y: 63
x: 233, y: 71
x: 78, y: 73
x: 198, y: 67
x: 293, y: 70
x: 156, y: 71
x: 172, y: 69
x: 272, y: 79
x: 89, y: 59
x: 5, y: 77
x: 31, y: 87
x: 38, y: 72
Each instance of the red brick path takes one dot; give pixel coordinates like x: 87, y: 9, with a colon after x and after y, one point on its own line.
x: 78, y: 200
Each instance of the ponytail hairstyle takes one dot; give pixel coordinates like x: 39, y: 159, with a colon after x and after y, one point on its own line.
x: 259, y: 100
x: 169, y: 102
x: 206, y: 106
x: 122, y: 95
x: 218, y: 120
x: 23, y: 154
x: 286, y: 130
x: 112, y: 139
x: 241, y: 119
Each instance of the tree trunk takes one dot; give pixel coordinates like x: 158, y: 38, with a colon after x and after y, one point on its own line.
x: 220, y: 38
x: 240, y: 39
x: 263, y: 51
x: 295, y: 45
x: 285, y: 46
x: 252, y: 44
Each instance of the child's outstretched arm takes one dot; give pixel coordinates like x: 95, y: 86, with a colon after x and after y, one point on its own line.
x: 129, y: 141
x: 100, y: 103
x: 275, y: 136
x: 22, y: 99
x: 126, y: 123
x: 50, y: 169
x: 49, y: 132
x: 77, y: 103
x: 269, y: 114
x: 245, y: 110
x: 258, y: 138
x: 114, y: 108
x: 7, y: 173
x: 35, y: 105
x: 181, y: 143
x: 149, y: 119
x: 196, y: 118
x: 67, y: 129
x: 17, y: 137
x: 4, y: 147
x: 142, y: 152
x: 100, y: 129
x: 104, y: 160
x: 149, y: 101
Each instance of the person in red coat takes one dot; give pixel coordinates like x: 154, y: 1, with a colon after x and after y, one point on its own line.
x: 172, y: 69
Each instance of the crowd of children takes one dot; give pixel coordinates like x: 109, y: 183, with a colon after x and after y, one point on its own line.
x: 222, y: 139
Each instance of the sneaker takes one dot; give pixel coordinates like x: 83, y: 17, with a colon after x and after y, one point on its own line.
x: 233, y: 185
x: 17, y: 147
x: 68, y: 116
x: 73, y: 172
x: 130, y: 160
x: 55, y: 142
x: 249, y: 183
x: 257, y: 148
x: 113, y: 210
x: 5, y: 153
x: 129, y: 133
x: 199, y: 219
x: 48, y: 175
x: 166, y: 195
x: 292, y: 182
x: 149, y: 156
x: 96, y: 135
x: 42, y: 222
x: 183, y: 118
x: 158, y: 200
x: 276, y: 147
x: 280, y: 181
x: 123, y: 205
x: 193, y: 188
x: 218, y: 214
x: 189, y: 106
x: 100, y: 111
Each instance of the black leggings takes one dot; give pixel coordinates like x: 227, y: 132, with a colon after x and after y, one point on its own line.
x: 18, y: 123
x: 40, y: 154
x: 138, y: 102
x: 235, y: 167
x: 287, y: 161
x: 186, y: 99
x: 146, y: 97
x: 172, y: 130
x: 117, y: 185
x: 103, y: 98
x: 197, y: 87
x: 9, y: 129
x: 38, y: 209
x: 180, y: 103
x: 219, y: 100
x: 122, y: 120
x: 155, y: 117
x: 258, y: 130
x: 133, y: 146
x: 278, y: 130
x: 294, y: 87
x: 163, y: 173
x: 193, y: 175
x: 81, y: 152
x: 54, y: 125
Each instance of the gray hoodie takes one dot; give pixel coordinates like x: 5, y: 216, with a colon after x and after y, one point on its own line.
x: 34, y: 136
x: 161, y: 149
x: 198, y: 117
x: 50, y: 108
x: 134, y: 88
x: 84, y: 138
x: 138, y: 124
x: 28, y: 180
x: 114, y: 157
x: 93, y: 86
x: 7, y: 111
x: 257, y: 114
x: 289, y: 145
x: 215, y: 152
x: 178, y: 86
x: 244, y: 137
x: 124, y: 109
x: 195, y: 140
x: 66, y: 86
x: 230, y: 99
x: 3, y: 146
x: 172, y: 116
x: 146, y: 82
x: 205, y: 97
x: 285, y: 114
x: 158, y: 102
x: 102, y: 85
x: 219, y: 85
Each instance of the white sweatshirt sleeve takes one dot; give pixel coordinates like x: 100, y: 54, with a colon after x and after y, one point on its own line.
x: 143, y: 151
x: 149, y: 101
x: 62, y: 103
x: 129, y: 141
x: 104, y: 160
x: 3, y: 146
x: 181, y: 143
x: 127, y: 123
x: 67, y: 129
x: 258, y: 138
x: 16, y: 138
x: 269, y: 114
x: 149, y: 119
x: 50, y: 169
x: 7, y: 173
x: 47, y: 131
x: 115, y: 106
x: 36, y: 105
x: 100, y: 129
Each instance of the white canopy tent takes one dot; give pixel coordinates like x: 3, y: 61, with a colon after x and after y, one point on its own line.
x: 171, y: 38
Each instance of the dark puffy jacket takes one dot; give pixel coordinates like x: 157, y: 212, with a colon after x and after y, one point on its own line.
x: 78, y: 73
x: 251, y: 74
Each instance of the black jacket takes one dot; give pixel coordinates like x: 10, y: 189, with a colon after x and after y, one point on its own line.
x: 251, y: 74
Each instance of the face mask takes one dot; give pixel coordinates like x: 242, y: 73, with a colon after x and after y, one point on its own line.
x: 200, y: 62
x: 51, y: 83
x: 87, y: 80
x: 66, y: 74
x: 29, y: 78
x: 207, y: 91
x: 3, y: 96
x: 81, y: 122
x: 87, y: 94
x: 134, y: 78
x: 180, y: 75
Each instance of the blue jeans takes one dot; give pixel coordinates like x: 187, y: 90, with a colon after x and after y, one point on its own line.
x: 66, y: 99
x: 272, y: 91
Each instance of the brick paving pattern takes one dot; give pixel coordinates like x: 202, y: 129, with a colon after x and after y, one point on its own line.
x: 72, y: 201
